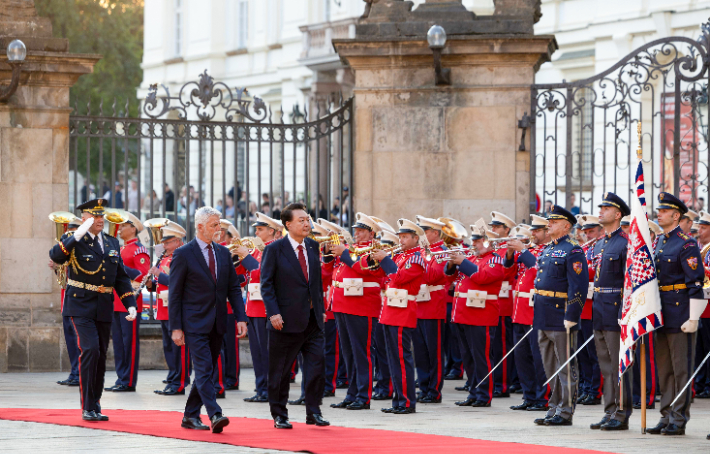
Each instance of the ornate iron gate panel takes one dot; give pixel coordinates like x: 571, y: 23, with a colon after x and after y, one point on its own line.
x: 583, y: 134
x: 212, y: 144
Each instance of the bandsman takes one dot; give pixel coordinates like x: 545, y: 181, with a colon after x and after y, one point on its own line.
x: 454, y: 363
x: 126, y: 342
x: 680, y: 278
x: 95, y: 269
x: 655, y: 229
x: 560, y: 291
x: 177, y: 358
x: 528, y: 361
x: 626, y: 224
x: 687, y: 220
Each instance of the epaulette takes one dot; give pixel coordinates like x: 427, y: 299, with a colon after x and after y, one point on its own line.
x: 624, y: 234
x: 66, y: 235
x: 140, y: 250
x: 417, y: 259
x: 572, y: 242
x: 684, y: 236
x: 497, y: 259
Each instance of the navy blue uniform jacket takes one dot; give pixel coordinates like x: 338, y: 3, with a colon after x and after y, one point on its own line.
x: 610, y: 259
x: 197, y: 302
x: 284, y: 287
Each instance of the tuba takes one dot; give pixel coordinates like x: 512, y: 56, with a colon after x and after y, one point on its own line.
x: 115, y: 217
x: 61, y: 221
x: 453, y: 232
x: 155, y: 226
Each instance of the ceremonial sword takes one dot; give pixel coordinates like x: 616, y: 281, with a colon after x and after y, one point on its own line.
x: 691, y: 379
x: 501, y: 361
x: 570, y: 359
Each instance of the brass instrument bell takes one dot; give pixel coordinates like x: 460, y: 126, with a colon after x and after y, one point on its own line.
x: 61, y: 221
x: 155, y: 226
x: 115, y: 217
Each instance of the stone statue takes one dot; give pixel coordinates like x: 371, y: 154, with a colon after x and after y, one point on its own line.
x: 368, y: 7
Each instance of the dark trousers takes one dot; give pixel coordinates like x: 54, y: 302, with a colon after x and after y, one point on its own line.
x: 72, y: 347
x: 505, y: 375
x: 428, y: 340
x: 168, y: 346
x: 259, y: 346
x: 92, y: 340
x: 675, y: 353
x: 126, y: 348
x: 454, y: 363
x: 590, y: 375
x: 476, y: 345
x: 528, y: 363
x: 204, y: 349
x: 356, y: 339
x: 702, y: 380
x: 333, y: 355
x: 399, y: 355
x: 382, y: 367
x: 226, y: 374
x: 651, y: 371
x: 283, y: 350
x: 178, y: 359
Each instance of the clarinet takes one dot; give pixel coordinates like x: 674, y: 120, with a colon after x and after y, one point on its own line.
x: 147, y: 275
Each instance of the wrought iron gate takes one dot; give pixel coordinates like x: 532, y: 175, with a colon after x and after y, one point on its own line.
x: 248, y: 161
x: 583, y: 134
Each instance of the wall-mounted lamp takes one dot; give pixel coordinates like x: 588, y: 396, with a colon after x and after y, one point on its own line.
x: 436, y: 36
x: 16, y: 53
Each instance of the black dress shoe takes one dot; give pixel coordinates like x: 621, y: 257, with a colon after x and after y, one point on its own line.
x: 257, y: 399
x: 193, y: 423
x: 73, y: 383
x: 124, y: 389
x: 524, y: 406
x: 481, y: 403
x: 169, y: 392
x: 299, y: 401
x: 656, y: 430
x: 111, y: 388
x: 615, y: 424
x: 672, y: 429
x: 465, y: 403
x: 101, y: 416
x: 219, y: 422
x: 598, y: 425
x: 342, y: 404
x: 637, y: 406
x: 501, y: 394
x: 582, y: 398
x: 165, y: 382
x: 340, y: 384
x: 538, y: 407
x: 381, y: 396
x: 63, y: 382
x: 591, y: 400
x: 220, y: 395
x: 282, y: 423
x: 558, y: 420
x: 358, y: 406
x: 462, y: 388
x: 232, y: 388
x: 328, y: 393
x: 404, y: 410
x: 317, y: 420
x: 387, y: 410
x: 89, y: 416
x: 542, y: 421
x: 430, y: 400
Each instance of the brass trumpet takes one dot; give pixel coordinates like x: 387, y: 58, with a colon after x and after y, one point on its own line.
x: 389, y: 250
x: 61, y: 221
x: 496, y: 241
x: 115, y: 217
x: 447, y: 253
x: 251, y: 242
x: 155, y: 225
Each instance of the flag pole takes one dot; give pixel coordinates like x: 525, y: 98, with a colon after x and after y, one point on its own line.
x: 643, y: 384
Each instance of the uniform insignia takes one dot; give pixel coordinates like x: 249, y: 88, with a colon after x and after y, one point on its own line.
x: 142, y: 260
x: 408, y: 265
x: 660, y: 196
x: 558, y: 254
x: 113, y: 253
x: 577, y: 266
x: 693, y: 263
x: 683, y: 235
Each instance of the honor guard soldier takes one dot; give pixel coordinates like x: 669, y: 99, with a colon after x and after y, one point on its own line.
x: 476, y: 312
x: 528, y: 361
x: 95, y: 269
x: 399, y: 313
x: 431, y: 315
x: 702, y: 380
x: 506, y: 378
x: 177, y: 357
x: 356, y: 303
x: 609, y: 265
x: 590, y: 376
x: 680, y: 278
x: 560, y: 291
x: 265, y: 228
x: 126, y: 342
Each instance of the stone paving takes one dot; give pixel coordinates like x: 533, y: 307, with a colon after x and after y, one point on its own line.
x: 496, y: 423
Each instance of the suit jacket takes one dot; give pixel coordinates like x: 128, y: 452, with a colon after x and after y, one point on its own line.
x: 284, y: 288
x: 197, y: 302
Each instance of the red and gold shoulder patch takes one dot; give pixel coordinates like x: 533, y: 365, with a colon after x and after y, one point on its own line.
x: 693, y: 263
x: 577, y: 266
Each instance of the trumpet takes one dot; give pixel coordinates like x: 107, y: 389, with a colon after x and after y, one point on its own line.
x: 393, y: 250
x: 251, y: 242
x: 430, y: 255
x: 497, y: 241
x: 61, y: 221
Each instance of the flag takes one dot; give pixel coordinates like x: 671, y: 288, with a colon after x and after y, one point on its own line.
x: 641, y: 312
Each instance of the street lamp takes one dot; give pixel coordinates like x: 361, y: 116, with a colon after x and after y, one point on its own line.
x: 436, y: 36
x: 16, y: 53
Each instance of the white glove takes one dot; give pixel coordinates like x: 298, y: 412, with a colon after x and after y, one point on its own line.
x: 83, y: 228
x: 697, y: 307
x: 131, y: 314
x: 690, y: 326
x: 569, y: 324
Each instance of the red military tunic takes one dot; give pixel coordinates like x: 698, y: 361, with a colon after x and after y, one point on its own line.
x: 409, y: 276
x: 505, y: 294
x: 437, y: 285
x: 164, y: 266
x: 523, y: 312
x: 369, y: 303
x: 327, y: 278
x: 706, y: 263
x: 487, y: 278
x: 255, y: 307
x: 588, y: 247
x: 135, y: 256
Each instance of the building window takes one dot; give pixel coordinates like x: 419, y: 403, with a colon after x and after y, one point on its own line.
x: 582, y: 140
x: 178, y: 27
x: 243, y: 37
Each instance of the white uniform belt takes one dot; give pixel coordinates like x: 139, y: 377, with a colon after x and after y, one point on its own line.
x: 337, y: 284
x: 523, y: 294
x: 435, y: 288
x: 465, y: 295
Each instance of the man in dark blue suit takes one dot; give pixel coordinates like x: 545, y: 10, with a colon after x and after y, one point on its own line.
x: 202, y: 278
x: 292, y: 291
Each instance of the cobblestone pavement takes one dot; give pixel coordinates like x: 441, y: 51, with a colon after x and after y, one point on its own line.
x: 496, y: 423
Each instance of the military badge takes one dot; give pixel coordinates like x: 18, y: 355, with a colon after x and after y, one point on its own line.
x: 558, y: 254
x: 408, y: 265
x: 577, y: 266
x: 693, y: 263
x: 113, y: 253
x: 660, y: 196
x: 142, y: 260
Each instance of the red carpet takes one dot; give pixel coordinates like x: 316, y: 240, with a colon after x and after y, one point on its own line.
x: 260, y: 433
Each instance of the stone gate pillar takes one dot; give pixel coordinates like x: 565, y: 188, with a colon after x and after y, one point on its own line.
x: 34, y: 171
x: 443, y: 150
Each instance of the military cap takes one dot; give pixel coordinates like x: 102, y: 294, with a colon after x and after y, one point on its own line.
x: 329, y: 225
x: 501, y: 219
x: 388, y: 237
x: 538, y: 222
x: 429, y: 224
x: 703, y: 220
x: 134, y: 221
x: 587, y: 221
x: 560, y: 213
x: 694, y: 228
x: 612, y: 200
x: 407, y: 226
x: 173, y: 230
x: 626, y: 220
x: 692, y: 215
x: 318, y: 229
x: 383, y: 225
x: 363, y: 221
x: 94, y: 207
x: 670, y: 202
x: 263, y: 220
x: 655, y: 228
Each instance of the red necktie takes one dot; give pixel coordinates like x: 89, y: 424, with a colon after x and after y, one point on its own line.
x: 302, y: 260
x: 212, y: 267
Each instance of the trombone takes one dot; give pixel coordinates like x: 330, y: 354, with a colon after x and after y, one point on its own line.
x: 61, y: 221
